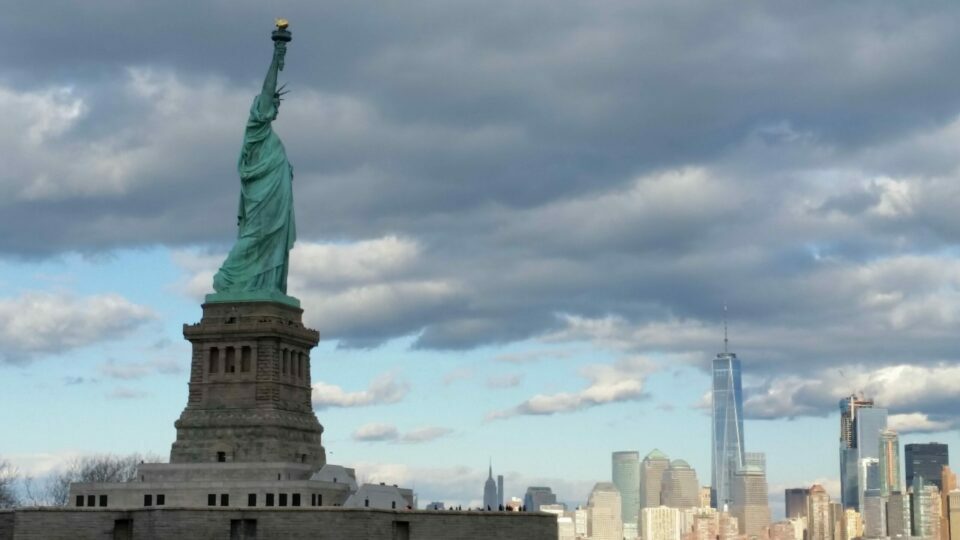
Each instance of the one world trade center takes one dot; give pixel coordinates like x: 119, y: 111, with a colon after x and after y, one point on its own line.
x: 727, y: 451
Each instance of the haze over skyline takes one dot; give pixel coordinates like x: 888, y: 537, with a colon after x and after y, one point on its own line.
x: 541, y: 208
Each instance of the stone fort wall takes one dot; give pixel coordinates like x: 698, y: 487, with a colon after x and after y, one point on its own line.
x: 287, y: 523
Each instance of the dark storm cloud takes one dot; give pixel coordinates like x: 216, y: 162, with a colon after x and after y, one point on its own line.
x: 613, y: 171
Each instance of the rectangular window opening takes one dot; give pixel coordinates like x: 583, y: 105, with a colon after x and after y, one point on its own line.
x: 269, y: 499
x: 283, y: 499
x: 245, y: 355
x: 243, y: 529
x: 79, y: 500
x: 161, y: 499
x: 91, y: 500
x: 296, y: 500
x: 214, y: 359
x: 252, y: 499
x: 122, y: 529
x: 401, y: 530
x: 212, y: 499
x: 224, y: 499
x: 148, y: 500
x: 103, y: 500
x: 229, y: 364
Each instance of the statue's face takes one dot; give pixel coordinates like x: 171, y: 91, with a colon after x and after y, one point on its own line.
x: 276, y: 104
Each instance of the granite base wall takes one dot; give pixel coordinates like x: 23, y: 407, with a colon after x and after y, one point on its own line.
x: 294, y: 524
x: 6, y: 524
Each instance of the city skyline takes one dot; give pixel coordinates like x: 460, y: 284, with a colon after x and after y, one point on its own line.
x: 544, y: 210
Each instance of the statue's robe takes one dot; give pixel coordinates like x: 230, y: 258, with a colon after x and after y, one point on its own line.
x: 260, y: 259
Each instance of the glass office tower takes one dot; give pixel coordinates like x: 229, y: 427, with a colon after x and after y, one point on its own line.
x: 626, y: 476
x: 926, y: 460
x: 889, y: 463
x: 860, y: 427
x: 727, y: 450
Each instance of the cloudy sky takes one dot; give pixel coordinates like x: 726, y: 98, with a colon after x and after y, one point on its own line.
x: 518, y: 224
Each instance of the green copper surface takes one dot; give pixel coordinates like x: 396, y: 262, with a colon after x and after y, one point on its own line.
x: 257, y: 266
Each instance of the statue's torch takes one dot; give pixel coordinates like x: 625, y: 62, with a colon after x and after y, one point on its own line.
x: 281, y: 36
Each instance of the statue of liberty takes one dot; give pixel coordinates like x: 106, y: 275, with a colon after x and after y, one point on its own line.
x: 256, y: 268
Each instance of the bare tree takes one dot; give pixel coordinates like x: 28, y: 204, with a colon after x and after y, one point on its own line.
x: 95, y: 468
x: 8, y: 479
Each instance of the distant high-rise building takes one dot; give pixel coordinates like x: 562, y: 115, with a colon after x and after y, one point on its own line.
x: 819, y: 515
x: 490, y: 492
x: 860, y: 426
x: 795, y: 502
x: 848, y: 444
x: 651, y: 478
x: 889, y: 462
x: 727, y: 428
x: 727, y: 527
x: 565, y: 527
x: 680, y: 487
x: 836, y: 514
x: 874, y: 517
x: 851, y: 526
x: 499, y: 490
x: 537, y: 496
x: 749, y: 494
x: 953, y: 511
x: 949, y: 482
x: 704, y: 496
x: 782, y: 530
x: 626, y: 476
x: 660, y: 523
x: 924, y: 508
x: 603, y: 513
x: 799, y: 527
x: 580, y: 521
x: 705, y: 525
x: 926, y: 460
x: 898, y: 515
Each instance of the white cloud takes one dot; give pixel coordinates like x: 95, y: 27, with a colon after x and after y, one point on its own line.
x: 504, y: 381
x: 384, y: 389
x: 381, y: 432
x: 346, y: 288
x: 38, y: 323
x: 363, y: 262
x: 457, y: 374
x: 918, y: 423
x: 529, y: 357
x: 921, y: 398
x: 425, y: 434
x: 123, y: 392
x: 609, y: 383
x: 42, y: 463
x: 137, y: 370
x: 376, y: 433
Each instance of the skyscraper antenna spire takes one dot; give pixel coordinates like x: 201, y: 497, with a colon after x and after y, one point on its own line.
x: 726, y: 341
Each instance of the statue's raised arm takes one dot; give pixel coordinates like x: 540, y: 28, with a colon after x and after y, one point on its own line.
x: 269, y: 95
x: 256, y: 268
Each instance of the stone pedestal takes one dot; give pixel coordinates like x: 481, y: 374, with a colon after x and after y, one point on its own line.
x: 250, y: 394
